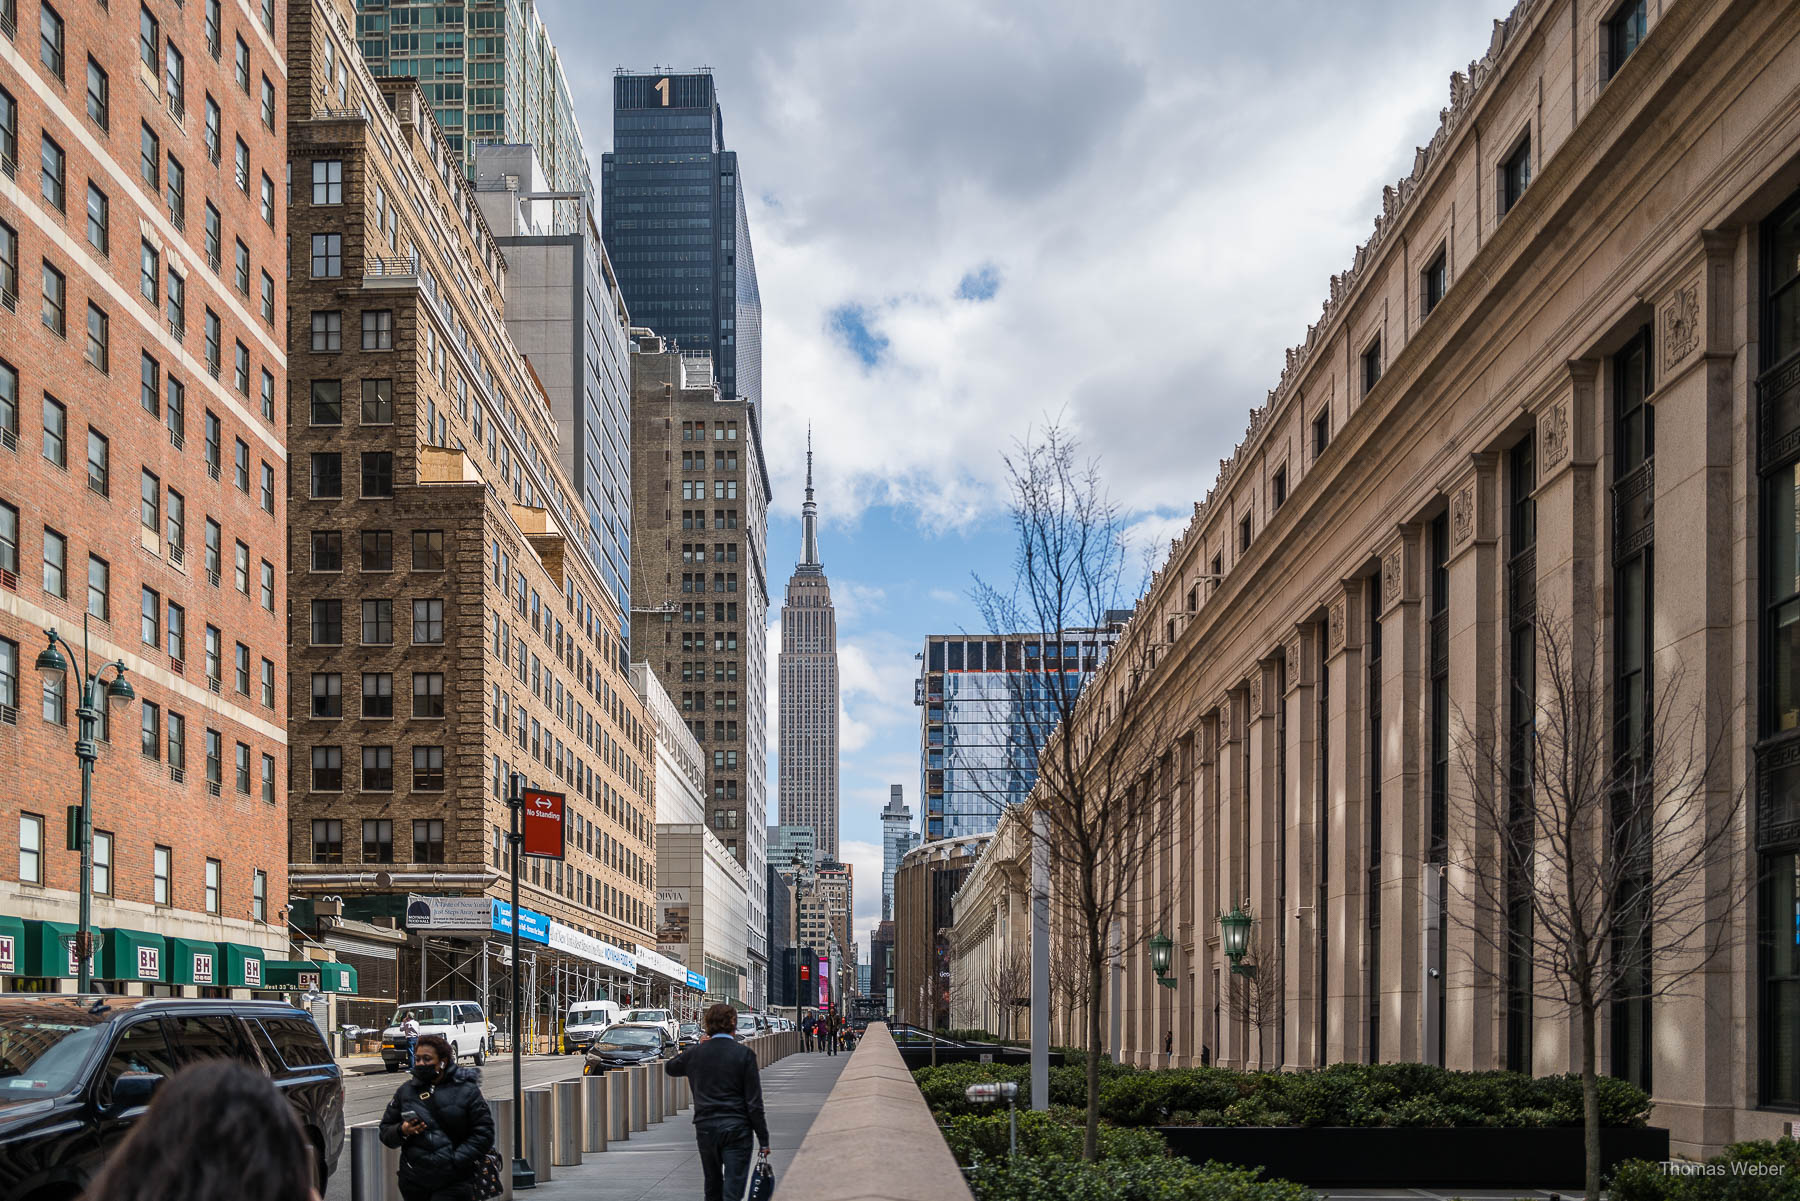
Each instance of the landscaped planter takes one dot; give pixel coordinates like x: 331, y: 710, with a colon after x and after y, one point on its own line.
x: 918, y: 1055
x: 1416, y: 1156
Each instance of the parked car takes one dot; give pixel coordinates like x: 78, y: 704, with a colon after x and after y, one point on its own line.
x: 652, y: 1017
x: 460, y: 1022
x: 687, y: 1035
x: 77, y: 1072
x: 587, y: 1021
x: 627, y: 1046
x: 746, y: 1026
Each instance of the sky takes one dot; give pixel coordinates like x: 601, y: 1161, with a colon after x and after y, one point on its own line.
x: 972, y: 217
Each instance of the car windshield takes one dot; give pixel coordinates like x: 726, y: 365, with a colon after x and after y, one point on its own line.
x: 41, y: 1055
x: 586, y: 1017
x: 690, y: 1028
x: 426, y: 1015
x: 630, y: 1038
x: 746, y: 1022
x: 647, y: 1015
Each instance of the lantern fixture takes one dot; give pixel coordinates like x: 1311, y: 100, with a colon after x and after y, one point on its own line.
x: 1234, y: 930
x: 1161, y: 952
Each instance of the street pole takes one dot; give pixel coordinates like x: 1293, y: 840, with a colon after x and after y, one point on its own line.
x: 1040, y: 962
x: 522, y: 1174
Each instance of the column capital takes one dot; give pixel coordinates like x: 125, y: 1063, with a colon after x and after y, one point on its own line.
x: 1264, y: 688
x: 1565, y: 431
x: 1297, y: 649
x: 1474, y: 494
x: 1400, y: 567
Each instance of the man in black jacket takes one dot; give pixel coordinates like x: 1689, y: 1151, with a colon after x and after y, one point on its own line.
x: 441, y: 1124
x: 728, y: 1104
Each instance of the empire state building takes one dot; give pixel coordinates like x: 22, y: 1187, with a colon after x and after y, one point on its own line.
x: 808, y: 667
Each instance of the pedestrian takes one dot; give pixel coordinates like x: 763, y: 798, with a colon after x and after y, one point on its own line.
x: 410, y: 1028
x: 217, y: 1131
x: 442, y: 1125
x: 1169, y: 1043
x: 1205, y: 1056
x: 728, y: 1103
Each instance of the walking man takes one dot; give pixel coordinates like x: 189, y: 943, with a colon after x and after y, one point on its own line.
x: 410, y: 1028
x: 728, y: 1103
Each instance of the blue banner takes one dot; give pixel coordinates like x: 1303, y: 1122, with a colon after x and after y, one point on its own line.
x: 696, y: 980
x: 533, y: 927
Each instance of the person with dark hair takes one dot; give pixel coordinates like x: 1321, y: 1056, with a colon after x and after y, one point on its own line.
x: 728, y: 1103
x: 442, y: 1125
x: 174, y: 1152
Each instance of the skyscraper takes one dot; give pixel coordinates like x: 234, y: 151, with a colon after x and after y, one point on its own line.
x: 897, y: 838
x: 674, y: 221
x: 808, y: 790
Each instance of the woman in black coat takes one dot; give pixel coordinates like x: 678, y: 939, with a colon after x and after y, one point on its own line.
x: 441, y: 1124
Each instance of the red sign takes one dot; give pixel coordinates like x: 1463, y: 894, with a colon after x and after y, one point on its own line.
x: 544, y: 823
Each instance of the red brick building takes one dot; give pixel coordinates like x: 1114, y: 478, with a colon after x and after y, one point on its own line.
x: 143, y: 483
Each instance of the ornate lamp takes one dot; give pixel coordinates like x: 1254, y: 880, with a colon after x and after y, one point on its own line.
x: 1161, y: 951
x: 1234, y: 930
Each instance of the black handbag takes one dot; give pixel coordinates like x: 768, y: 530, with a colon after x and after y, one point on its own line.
x: 762, y: 1182
x: 490, y: 1178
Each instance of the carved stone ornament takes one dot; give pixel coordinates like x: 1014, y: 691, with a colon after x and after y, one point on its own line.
x: 1390, y: 577
x: 1678, y: 325
x: 1291, y: 650
x: 1334, y: 624
x: 1255, y: 695
x: 1462, y: 514
x: 1553, y: 433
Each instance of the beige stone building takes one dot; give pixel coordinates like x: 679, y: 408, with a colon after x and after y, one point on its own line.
x: 1560, y: 377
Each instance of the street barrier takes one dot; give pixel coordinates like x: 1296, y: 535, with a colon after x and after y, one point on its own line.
x: 687, y: 1094
x: 567, y: 1149
x: 640, y: 1098
x: 653, y: 1103
x: 540, y: 1123
x: 593, y: 1113
x: 618, y: 1106
x: 666, y: 1091
x: 374, y: 1166
x: 502, y: 1109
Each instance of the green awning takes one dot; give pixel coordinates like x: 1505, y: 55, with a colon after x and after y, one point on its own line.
x: 243, y: 965
x: 12, y: 945
x: 133, y: 955
x: 308, y: 973
x: 195, y: 962
x: 45, y: 952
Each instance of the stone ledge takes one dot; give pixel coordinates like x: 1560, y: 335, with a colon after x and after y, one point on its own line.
x: 875, y: 1139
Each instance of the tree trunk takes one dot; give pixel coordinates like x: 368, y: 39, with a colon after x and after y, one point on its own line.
x: 1090, y: 1142
x: 1590, y: 1101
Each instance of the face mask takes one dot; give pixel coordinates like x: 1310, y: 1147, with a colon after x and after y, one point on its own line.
x: 425, y: 1073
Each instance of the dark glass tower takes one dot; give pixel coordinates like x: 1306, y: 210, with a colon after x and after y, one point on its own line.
x: 673, y: 220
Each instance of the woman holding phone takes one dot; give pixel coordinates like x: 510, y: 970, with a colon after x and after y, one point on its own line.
x: 442, y: 1125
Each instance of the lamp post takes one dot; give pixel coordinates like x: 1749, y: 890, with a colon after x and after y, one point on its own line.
x: 1234, y: 932
x: 523, y: 1175
x: 96, y: 693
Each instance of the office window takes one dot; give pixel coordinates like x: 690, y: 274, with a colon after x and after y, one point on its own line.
x: 241, y: 761
x: 327, y: 401
x: 1371, y: 366
x: 377, y: 474
x: 56, y: 431
x: 212, y: 137
x: 55, y: 699
x: 160, y: 872
x: 150, y: 160
x: 378, y: 769
x: 240, y: 258
x: 327, y: 256
x: 241, y: 165
x: 1244, y: 534
x: 377, y: 550
x: 327, y: 769
x: 268, y: 104
x: 99, y: 601
x: 328, y: 181
x: 428, y: 841
x: 377, y: 622
x: 150, y: 739
x: 150, y: 625
x: 214, y: 873
x: 326, y: 475
x: 174, y: 79
x: 268, y: 200
x: 327, y: 550
x: 101, y: 862
x: 1434, y: 280
x: 1624, y: 30
x: 149, y: 39
x: 241, y: 664
x: 240, y: 377
x: 31, y: 849
x: 259, y: 880
x: 150, y: 385
x: 9, y: 538
x: 378, y: 841
x: 241, y: 568
x: 52, y: 168
x: 212, y: 338
x: 428, y: 550
x: 428, y: 694
x: 176, y: 532
x: 50, y: 40
x: 99, y: 93
x: 1279, y: 486
x: 241, y: 66
x: 327, y: 622
x: 428, y: 622
x: 268, y: 684
x: 56, y: 563
x: 428, y: 769
x: 9, y: 299
x: 56, y: 301
x: 268, y: 396
x: 328, y: 841
x: 328, y: 330
x: 99, y: 338
x: 327, y: 694
x: 378, y: 402
x: 175, y: 189
x: 1515, y: 175
x: 378, y: 329
x: 177, y: 630
x: 377, y: 694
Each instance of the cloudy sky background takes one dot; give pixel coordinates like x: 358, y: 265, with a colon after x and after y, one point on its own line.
x: 968, y: 215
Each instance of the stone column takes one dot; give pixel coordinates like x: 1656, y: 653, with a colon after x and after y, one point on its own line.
x: 1188, y: 852
x: 1208, y: 889
x: 1264, y: 815
x: 1405, y: 810
x: 1234, y: 1048
x: 1474, y: 1016
x: 1300, y: 970
x: 1346, y: 869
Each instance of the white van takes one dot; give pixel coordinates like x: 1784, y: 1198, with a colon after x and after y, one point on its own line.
x: 461, y: 1023
x: 587, y: 1021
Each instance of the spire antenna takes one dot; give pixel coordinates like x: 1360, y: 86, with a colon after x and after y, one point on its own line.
x: 809, y: 515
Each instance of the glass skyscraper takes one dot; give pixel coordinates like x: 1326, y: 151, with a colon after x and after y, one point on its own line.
x: 673, y: 219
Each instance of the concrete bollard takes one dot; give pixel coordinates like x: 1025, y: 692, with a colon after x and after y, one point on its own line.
x: 593, y: 1113
x: 618, y: 1106
x: 687, y: 1094
x: 540, y: 1130
x: 640, y: 1098
x: 567, y: 1144
x: 653, y: 1102
x: 502, y: 1109
x: 374, y: 1166
x: 667, y: 1092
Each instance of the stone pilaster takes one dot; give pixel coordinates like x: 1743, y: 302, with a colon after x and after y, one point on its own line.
x: 1301, y: 1044
x: 1236, y: 1046
x: 1405, y: 815
x: 1347, y: 848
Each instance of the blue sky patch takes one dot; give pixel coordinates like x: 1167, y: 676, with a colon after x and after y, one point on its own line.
x: 850, y: 322
x: 979, y: 284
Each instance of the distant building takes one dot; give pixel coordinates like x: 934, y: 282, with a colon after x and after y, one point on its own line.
x: 793, y: 849
x: 807, y: 794
x: 881, y: 964
x: 862, y: 979
x: 924, y: 912
x: 897, y: 838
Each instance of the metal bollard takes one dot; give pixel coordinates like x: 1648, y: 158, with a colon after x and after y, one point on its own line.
x: 593, y: 1113
x: 374, y: 1166
x: 665, y: 1095
x: 618, y: 1106
x: 640, y: 1097
x: 502, y: 1109
x: 540, y: 1122
x: 653, y: 1104
x: 567, y: 1152
x: 687, y: 1094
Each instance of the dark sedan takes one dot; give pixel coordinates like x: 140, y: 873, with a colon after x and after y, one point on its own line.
x: 626, y: 1047
x: 76, y: 1072
x: 689, y: 1036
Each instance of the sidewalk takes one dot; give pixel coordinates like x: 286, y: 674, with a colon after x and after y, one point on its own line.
x: 661, y: 1164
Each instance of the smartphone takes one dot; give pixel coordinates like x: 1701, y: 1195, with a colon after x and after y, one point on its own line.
x: 413, y: 1115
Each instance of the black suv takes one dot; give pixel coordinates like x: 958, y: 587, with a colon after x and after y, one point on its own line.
x: 77, y: 1071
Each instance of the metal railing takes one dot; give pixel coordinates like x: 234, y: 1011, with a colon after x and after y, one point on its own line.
x: 405, y: 265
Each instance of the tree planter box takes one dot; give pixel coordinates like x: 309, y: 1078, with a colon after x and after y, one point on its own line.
x: 1415, y: 1156
x: 917, y: 1056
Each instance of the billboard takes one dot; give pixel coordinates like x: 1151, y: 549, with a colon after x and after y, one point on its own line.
x: 544, y: 827
x: 824, y: 982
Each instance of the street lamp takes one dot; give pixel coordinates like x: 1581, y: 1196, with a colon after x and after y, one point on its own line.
x: 1234, y: 928
x: 96, y: 693
x: 1161, y: 951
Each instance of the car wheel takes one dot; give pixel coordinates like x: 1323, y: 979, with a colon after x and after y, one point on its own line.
x: 321, y: 1172
x: 392, y: 1067
x: 480, y: 1055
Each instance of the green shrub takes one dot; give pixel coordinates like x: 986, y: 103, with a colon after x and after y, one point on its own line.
x: 944, y: 1085
x: 1125, y: 1180
x: 1057, y: 1134
x: 1641, y: 1180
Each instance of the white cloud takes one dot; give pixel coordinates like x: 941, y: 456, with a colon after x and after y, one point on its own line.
x: 864, y: 859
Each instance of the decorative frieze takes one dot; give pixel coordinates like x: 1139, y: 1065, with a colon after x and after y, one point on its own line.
x: 1678, y: 326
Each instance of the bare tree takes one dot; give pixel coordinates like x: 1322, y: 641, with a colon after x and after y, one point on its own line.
x: 1256, y: 997
x: 1095, y: 749
x: 1594, y: 858
x: 1006, y: 987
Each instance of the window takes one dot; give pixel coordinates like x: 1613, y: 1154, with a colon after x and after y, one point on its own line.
x: 1433, y: 281
x: 149, y: 39
x: 214, y: 435
x: 326, y: 476
x: 328, y: 181
x: 241, y: 664
x: 327, y: 550
x: 328, y: 330
x: 150, y: 385
x: 377, y: 694
x: 240, y: 160
x: 56, y: 431
x: 328, y: 841
x: 378, y: 402
x: 259, y: 880
x: 327, y: 770
x: 150, y: 503
x: 99, y: 601
x: 241, y: 65
x: 151, y: 738
x: 1624, y: 30
x: 212, y: 137
x: 268, y: 395
x: 149, y: 273
x: 211, y: 336
x: 378, y: 769
x: 214, y: 540
x: 377, y: 622
x: 150, y: 625
x: 428, y: 841
x: 268, y: 684
x: 268, y: 200
x: 428, y: 622
x: 55, y: 699
x: 241, y: 762
x: 150, y: 160
x: 214, y: 236
x: 212, y: 651
x: 56, y: 563
x: 377, y: 550
x: 268, y: 104
x: 101, y: 857
x: 241, y: 574
x: 176, y: 180
x: 428, y: 550
x: 50, y: 40
x: 1279, y: 486
x: 1244, y: 534
x: 31, y: 849
x: 177, y: 643
x: 176, y: 532
x: 9, y: 544
x: 327, y: 401
x: 99, y: 338
x: 327, y: 256
x: 327, y: 622
x: 213, y: 20
x: 240, y: 258
x: 56, y: 300
x: 160, y: 871
x: 214, y: 870
x: 377, y: 473
x: 428, y: 694
x: 99, y: 93
x: 378, y: 840
x: 174, y: 79
x: 9, y: 128
x: 266, y: 496
x: 1515, y: 175
x: 9, y: 299
x: 52, y: 166
x: 1371, y: 366
x: 177, y: 308
x: 378, y: 329
x: 327, y: 694
x: 240, y: 361
x: 428, y: 769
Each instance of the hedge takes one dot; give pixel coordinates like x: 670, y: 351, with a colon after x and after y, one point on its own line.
x: 1057, y: 1134
x: 1125, y: 1180
x: 943, y: 1085
x: 1754, y: 1171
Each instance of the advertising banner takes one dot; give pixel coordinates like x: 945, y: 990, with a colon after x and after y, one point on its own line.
x: 449, y: 913
x: 586, y: 946
x: 533, y: 927
x: 543, y: 814
x: 824, y: 982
